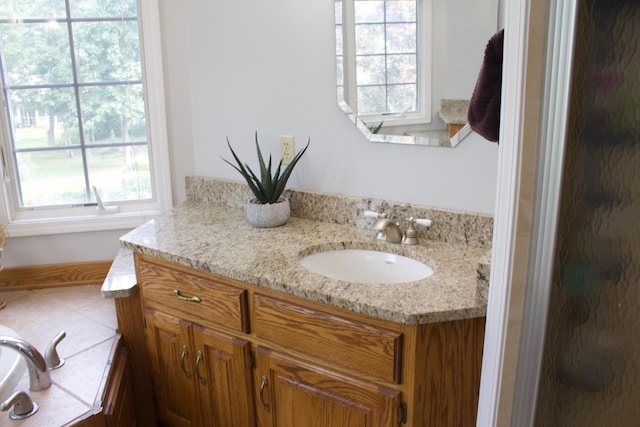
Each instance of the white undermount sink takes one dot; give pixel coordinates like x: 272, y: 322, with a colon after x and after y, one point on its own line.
x: 366, y: 266
x: 12, y: 366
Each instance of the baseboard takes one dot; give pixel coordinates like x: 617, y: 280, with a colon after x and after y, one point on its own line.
x: 54, y: 275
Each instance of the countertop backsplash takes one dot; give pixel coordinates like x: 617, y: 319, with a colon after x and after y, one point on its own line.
x: 448, y: 226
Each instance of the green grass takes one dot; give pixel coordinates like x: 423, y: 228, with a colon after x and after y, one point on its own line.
x: 36, y: 137
x: 56, y: 177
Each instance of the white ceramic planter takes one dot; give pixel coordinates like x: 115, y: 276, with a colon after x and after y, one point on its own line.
x: 268, y: 215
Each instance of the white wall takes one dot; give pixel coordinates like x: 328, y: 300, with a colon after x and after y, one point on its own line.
x: 235, y: 67
x: 61, y: 248
x: 269, y: 66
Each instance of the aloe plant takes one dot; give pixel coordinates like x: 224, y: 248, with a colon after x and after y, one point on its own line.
x: 268, y: 187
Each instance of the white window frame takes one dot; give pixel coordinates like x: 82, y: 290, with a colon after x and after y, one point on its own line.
x: 56, y: 220
x: 424, y: 64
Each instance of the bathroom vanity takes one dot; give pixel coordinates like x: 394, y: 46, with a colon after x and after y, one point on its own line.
x: 231, y: 330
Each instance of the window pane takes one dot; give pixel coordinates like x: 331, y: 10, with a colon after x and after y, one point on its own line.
x: 42, y: 104
x: 372, y: 99
x: 339, y: 41
x: 402, y: 98
x: 401, y: 38
x: 339, y: 70
x: 43, y: 117
x: 401, y: 69
x: 107, y: 51
x: 386, y: 46
x: 120, y: 173
x: 51, y: 177
x: 368, y: 11
x: 113, y: 114
x: 401, y: 11
x: 36, y: 54
x: 370, y: 70
x: 338, y: 12
x: 102, y: 9
x: 370, y: 39
x: 32, y: 9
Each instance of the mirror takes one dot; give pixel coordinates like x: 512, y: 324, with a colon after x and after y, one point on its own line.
x: 406, y: 69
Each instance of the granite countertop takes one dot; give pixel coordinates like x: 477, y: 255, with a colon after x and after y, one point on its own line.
x: 217, y: 238
x: 454, y: 111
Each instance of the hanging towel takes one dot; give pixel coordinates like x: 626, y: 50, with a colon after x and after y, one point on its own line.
x: 484, y: 107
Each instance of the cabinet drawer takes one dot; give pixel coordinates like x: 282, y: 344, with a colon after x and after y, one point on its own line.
x: 343, y: 342
x: 217, y: 304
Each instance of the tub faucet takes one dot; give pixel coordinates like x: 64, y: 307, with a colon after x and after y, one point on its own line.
x: 39, y: 376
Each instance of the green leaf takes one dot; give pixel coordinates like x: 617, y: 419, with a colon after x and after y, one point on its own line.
x: 247, y: 174
x: 267, y: 188
x: 282, y: 181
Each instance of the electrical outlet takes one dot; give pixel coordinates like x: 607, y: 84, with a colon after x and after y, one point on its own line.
x: 287, y: 148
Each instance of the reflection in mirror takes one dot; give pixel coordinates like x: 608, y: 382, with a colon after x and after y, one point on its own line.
x: 406, y: 68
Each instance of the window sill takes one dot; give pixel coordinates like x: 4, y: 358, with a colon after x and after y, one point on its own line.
x: 79, y: 224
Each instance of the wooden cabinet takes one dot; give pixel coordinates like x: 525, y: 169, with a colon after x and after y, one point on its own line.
x: 171, y: 354
x: 200, y: 367
x: 224, y: 378
x: 119, y: 408
x: 295, y: 393
x: 227, y: 353
x: 118, y: 400
x: 353, y: 345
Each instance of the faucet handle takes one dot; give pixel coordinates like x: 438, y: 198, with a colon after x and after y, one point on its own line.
x: 423, y: 221
x: 20, y: 404
x: 51, y: 353
x: 410, y: 235
x: 372, y: 214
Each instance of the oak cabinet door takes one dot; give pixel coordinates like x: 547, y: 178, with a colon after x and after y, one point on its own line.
x: 293, y: 393
x: 172, y: 360
x: 224, y: 379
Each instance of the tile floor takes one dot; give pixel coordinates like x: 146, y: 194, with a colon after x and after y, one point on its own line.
x: 90, y: 324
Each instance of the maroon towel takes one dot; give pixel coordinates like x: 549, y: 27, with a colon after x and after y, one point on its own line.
x: 484, y: 107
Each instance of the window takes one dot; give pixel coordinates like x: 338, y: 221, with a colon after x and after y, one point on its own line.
x: 382, y: 56
x: 78, y: 144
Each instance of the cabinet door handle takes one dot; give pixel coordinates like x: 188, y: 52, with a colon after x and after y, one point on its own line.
x: 185, y: 353
x: 202, y: 379
x: 194, y: 298
x: 263, y: 384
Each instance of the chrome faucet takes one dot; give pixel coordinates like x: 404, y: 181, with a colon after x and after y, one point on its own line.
x: 39, y: 376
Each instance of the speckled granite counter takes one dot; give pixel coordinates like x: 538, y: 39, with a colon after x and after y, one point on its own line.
x: 454, y: 111
x: 217, y: 238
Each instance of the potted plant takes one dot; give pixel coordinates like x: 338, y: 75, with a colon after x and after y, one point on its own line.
x: 269, y: 208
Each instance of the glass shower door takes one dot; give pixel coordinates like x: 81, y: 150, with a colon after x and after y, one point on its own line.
x: 591, y: 363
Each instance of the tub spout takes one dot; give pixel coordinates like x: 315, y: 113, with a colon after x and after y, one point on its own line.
x: 39, y: 376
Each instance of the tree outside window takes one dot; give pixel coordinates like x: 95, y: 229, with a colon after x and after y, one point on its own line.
x: 73, y: 90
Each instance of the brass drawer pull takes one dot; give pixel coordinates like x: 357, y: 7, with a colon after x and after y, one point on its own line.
x: 185, y: 352
x: 194, y: 298
x: 263, y: 384
x: 202, y: 379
